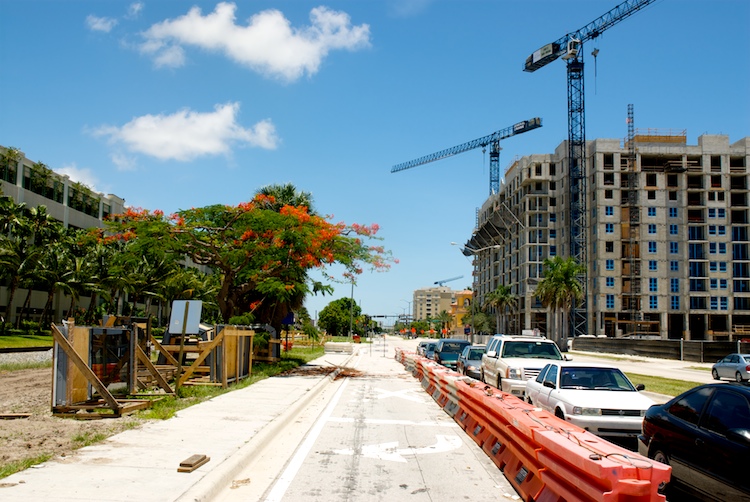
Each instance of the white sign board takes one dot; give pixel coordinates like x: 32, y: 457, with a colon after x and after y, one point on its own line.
x: 185, y: 314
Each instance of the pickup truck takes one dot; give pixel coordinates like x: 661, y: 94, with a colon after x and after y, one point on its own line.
x: 510, y: 361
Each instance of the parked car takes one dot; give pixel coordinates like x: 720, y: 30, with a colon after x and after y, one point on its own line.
x: 704, y: 434
x: 512, y: 360
x: 429, y: 350
x: 734, y: 366
x: 470, y: 361
x: 594, y: 396
x: 421, y: 346
x: 447, y: 351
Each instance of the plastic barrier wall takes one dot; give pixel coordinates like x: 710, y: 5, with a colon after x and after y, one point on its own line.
x: 545, y: 458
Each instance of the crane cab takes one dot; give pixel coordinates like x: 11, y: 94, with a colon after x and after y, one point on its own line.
x: 572, y: 51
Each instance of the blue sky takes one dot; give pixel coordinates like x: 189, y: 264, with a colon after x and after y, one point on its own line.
x: 179, y: 104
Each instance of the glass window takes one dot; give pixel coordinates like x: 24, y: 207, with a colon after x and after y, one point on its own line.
x: 610, y: 301
x: 653, y: 265
x: 652, y: 246
x: 674, y: 285
x: 652, y: 211
x: 610, y: 282
x: 674, y: 247
x: 673, y: 212
x: 651, y: 228
x: 653, y: 284
x: 675, y: 302
x: 674, y: 265
x: 610, y: 264
x: 653, y: 302
x: 712, y: 212
x: 673, y: 230
x: 728, y: 410
x: 609, y: 211
x: 689, y: 408
x: 609, y: 228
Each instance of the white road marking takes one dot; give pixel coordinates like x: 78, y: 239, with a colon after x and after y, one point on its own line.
x: 391, y: 452
x: 286, y: 478
x: 382, y: 421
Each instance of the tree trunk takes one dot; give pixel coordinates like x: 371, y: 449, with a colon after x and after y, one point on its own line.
x: 24, y: 308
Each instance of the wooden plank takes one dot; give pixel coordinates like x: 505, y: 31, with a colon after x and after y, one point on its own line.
x: 152, y: 369
x: 192, y: 463
x: 84, y: 369
x: 80, y: 340
x: 13, y: 416
x: 164, y: 352
x: 216, y: 341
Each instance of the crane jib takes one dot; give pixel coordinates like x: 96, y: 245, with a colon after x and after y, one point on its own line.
x: 518, y: 128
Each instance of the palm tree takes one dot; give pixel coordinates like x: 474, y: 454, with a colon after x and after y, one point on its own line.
x: 500, y: 300
x: 560, y: 290
x: 445, y: 319
x: 287, y: 195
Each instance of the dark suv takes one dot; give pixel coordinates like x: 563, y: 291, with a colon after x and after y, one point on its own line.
x: 704, y: 434
x: 447, y: 351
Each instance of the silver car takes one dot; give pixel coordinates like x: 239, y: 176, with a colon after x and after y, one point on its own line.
x: 734, y: 366
x: 470, y: 361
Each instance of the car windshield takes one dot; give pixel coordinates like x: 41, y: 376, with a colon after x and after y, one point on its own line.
x: 456, y: 347
x: 430, y: 346
x: 535, y: 350
x: 475, y: 354
x: 584, y: 378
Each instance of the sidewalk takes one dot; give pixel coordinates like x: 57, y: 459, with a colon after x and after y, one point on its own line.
x: 141, y: 464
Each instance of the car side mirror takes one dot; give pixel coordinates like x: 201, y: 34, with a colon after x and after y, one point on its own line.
x: 491, y: 353
x: 568, y: 358
x: 549, y: 384
x: 640, y: 387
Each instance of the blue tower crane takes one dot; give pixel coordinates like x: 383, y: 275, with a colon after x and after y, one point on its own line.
x: 569, y: 48
x: 492, y: 139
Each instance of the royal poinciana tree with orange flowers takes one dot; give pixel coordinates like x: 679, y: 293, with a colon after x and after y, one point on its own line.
x: 263, y: 251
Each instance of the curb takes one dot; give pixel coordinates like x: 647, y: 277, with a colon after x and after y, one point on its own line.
x: 209, y: 486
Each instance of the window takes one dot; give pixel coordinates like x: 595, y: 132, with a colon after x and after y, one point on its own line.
x: 610, y: 282
x: 723, y: 284
x: 714, y: 303
x: 650, y: 180
x: 674, y: 266
x: 610, y: 301
x: 713, y: 283
x: 712, y: 230
x: 553, y: 250
x: 651, y: 195
x: 610, y: 264
x: 673, y: 212
x: 713, y: 266
x: 609, y: 228
x: 721, y: 213
x: 711, y: 248
x: 674, y: 247
x: 723, y: 302
x: 552, y: 233
x: 652, y: 265
x: 722, y: 266
x: 674, y: 285
x: 653, y: 302
x: 609, y: 246
x: 712, y: 212
x: 722, y: 230
x: 689, y: 407
x: 653, y: 284
x: 608, y: 194
x: 673, y: 230
x: 652, y: 212
x: 674, y: 302
x: 652, y: 246
x: 552, y: 217
x: 651, y: 228
x: 722, y: 248
x: 609, y: 211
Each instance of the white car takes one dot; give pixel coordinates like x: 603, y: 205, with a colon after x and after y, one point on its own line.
x: 596, y: 397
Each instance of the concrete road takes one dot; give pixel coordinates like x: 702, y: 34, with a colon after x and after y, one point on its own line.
x: 374, y: 435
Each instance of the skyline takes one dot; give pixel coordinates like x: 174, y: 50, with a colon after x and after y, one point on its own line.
x: 173, y: 105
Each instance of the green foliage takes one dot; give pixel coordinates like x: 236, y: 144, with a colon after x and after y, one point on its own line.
x: 14, y: 467
x: 337, y: 316
x: 245, y: 319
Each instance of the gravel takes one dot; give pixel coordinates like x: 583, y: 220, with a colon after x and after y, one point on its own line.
x: 26, y: 357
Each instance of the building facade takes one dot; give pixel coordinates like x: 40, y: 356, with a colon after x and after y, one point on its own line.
x: 429, y: 302
x: 667, y: 230
x: 71, y: 203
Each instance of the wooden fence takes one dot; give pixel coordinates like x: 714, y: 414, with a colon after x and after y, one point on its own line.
x: 684, y: 350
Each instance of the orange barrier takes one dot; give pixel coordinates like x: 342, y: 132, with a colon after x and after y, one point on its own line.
x: 546, y: 459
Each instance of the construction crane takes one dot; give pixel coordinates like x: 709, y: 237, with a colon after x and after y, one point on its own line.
x: 493, y: 140
x: 569, y: 48
x: 440, y: 283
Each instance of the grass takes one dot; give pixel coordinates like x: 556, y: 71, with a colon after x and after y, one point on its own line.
x: 17, y: 341
x: 666, y: 386
x: 14, y: 467
x: 190, y: 395
x: 25, y: 366
x: 88, y: 438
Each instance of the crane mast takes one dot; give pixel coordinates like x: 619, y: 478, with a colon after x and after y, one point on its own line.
x: 492, y: 139
x: 569, y: 49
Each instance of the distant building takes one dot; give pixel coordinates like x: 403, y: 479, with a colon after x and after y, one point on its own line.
x: 667, y: 236
x: 429, y: 302
x: 459, y: 309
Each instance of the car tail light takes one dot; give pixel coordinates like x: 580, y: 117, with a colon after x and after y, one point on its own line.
x: 747, y: 368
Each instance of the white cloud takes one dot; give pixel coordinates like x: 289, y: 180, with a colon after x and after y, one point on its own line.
x: 268, y: 44
x: 104, y: 24
x: 134, y: 10
x: 186, y: 134
x: 79, y: 175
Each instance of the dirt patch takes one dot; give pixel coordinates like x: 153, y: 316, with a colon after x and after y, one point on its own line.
x: 30, y: 391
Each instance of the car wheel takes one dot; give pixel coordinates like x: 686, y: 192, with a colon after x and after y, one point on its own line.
x: 559, y: 414
x: 715, y: 374
x: 660, y: 456
x: 738, y: 377
x: 499, y: 383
